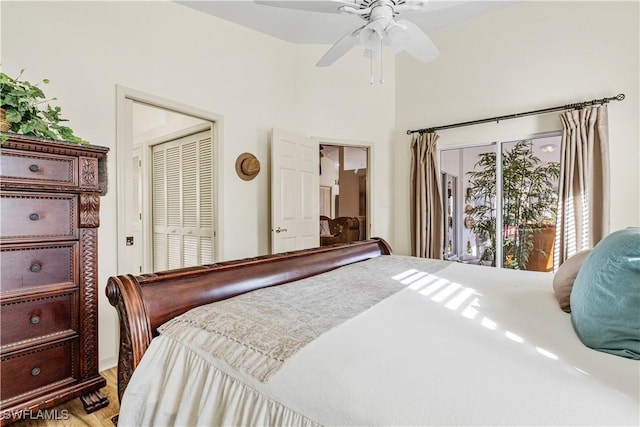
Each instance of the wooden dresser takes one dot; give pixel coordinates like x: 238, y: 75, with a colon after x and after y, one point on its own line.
x: 50, y: 199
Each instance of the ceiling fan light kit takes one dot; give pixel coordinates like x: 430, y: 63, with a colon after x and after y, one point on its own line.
x: 379, y: 30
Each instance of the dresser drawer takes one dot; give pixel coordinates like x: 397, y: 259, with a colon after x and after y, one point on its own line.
x: 41, y: 216
x: 37, y: 317
x: 38, y: 168
x: 38, y: 367
x: 23, y: 267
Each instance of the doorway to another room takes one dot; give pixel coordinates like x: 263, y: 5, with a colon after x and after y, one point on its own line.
x: 344, y: 176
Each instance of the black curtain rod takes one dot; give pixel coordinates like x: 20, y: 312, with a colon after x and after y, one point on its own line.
x: 576, y: 106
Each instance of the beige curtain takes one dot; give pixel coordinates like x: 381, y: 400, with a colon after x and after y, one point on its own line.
x: 583, y: 188
x: 426, y: 203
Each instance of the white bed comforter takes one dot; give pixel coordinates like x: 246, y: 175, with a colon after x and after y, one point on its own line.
x: 466, y: 345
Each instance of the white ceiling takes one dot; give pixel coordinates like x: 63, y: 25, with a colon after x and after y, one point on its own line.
x: 298, y: 26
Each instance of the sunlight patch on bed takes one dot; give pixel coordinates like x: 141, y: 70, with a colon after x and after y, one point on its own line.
x: 414, y: 277
x: 489, y: 324
x: 446, y: 292
x: 422, y: 282
x: 513, y: 337
x: 463, y: 300
x: 433, y: 287
x: 404, y: 274
x: 470, y: 311
x: 459, y: 299
x: 546, y: 353
x: 581, y: 371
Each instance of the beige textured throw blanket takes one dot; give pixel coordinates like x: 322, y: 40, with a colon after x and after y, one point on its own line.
x: 258, y: 331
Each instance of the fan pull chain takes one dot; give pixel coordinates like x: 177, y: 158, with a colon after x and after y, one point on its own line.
x: 381, y: 81
x: 381, y: 78
x: 371, y: 69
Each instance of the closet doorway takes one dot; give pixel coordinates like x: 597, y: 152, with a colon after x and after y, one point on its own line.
x: 168, y: 184
x: 344, y: 192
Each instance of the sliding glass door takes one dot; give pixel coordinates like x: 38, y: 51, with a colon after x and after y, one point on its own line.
x: 506, y: 197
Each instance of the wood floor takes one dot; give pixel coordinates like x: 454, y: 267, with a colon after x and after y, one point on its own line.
x: 77, y: 416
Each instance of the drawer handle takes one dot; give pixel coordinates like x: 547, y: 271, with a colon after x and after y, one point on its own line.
x: 35, y: 268
x: 35, y: 372
x: 34, y: 217
x: 35, y: 320
x: 34, y: 168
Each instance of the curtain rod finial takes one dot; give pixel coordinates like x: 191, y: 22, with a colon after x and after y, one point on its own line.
x: 620, y: 97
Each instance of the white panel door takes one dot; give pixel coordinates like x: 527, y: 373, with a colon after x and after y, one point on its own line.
x: 294, y: 192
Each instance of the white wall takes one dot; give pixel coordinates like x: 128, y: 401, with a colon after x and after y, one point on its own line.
x: 253, y: 81
x: 329, y: 164
x: 525, y: 57
x: 150, y: 123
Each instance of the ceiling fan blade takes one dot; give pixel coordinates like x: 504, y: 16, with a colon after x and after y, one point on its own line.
x: 411, y: 5
x: 339, y: 48
x: 326, y: 6
x: 417, y: 43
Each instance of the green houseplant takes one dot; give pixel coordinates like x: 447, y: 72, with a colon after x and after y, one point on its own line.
x: 24, y: 111
x: 529, y: 202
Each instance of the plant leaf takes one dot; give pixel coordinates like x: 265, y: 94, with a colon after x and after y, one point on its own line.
x: 13, y: 116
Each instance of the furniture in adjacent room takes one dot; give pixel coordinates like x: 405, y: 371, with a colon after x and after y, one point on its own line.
x: 49, y: 275
x: 338, y: 230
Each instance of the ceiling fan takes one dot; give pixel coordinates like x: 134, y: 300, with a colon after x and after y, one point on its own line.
x: 379, y: 30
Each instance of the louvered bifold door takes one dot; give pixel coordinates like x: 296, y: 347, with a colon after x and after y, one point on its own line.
x: 183, y: 202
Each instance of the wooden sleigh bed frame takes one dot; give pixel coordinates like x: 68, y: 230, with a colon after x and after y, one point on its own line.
x: 145, y: 302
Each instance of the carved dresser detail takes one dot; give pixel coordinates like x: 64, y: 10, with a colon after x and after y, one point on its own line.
x: 50, y: 200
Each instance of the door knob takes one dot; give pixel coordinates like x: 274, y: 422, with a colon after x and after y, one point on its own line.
x: 280, y: 230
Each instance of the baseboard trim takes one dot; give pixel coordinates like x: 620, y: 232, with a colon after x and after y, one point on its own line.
x: 108, y: 363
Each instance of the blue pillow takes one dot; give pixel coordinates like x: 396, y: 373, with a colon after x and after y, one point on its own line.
x: 605, y: 299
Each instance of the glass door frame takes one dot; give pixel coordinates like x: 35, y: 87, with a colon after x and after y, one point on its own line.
x: 498, y: 148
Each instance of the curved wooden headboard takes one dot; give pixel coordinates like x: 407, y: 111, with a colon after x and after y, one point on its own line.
x: 146, y: 302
